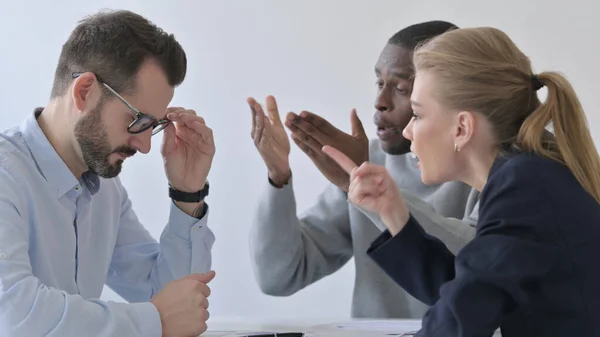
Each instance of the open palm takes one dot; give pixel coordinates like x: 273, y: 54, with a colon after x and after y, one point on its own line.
x: 270, y: 137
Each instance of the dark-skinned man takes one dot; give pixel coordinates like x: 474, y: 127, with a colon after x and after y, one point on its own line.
x: 290, y: 251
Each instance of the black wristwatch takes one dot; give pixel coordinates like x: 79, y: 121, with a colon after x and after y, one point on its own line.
x: 188, y: 196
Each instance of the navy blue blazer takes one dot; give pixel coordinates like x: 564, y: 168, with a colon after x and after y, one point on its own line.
x: 533, y: 268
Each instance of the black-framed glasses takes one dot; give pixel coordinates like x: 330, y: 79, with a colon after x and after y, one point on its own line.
x: 143, y: 121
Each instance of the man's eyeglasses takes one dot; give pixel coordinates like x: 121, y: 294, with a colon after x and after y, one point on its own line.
x: 142, y: 121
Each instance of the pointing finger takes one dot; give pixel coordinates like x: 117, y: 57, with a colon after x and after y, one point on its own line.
x: 345, y: 163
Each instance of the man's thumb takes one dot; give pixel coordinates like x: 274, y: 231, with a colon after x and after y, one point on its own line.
x: 358, y: 130
x: 204, y: 278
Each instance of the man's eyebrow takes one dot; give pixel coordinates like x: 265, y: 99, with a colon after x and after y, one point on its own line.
x: 402, y: 75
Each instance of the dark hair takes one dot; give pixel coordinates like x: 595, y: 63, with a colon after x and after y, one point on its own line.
x: 414, y: 35
x: 113, y: 44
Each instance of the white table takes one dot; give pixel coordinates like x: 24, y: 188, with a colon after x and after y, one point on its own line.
x: 318, y: 327
x: 264, y: 324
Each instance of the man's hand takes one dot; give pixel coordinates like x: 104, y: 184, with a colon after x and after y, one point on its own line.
x: 270, y: 140
x: 183, y: 305
x: 311, y: 132
x: 188, y: 149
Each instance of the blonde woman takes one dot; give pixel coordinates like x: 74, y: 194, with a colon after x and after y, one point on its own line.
x: 532, y: 268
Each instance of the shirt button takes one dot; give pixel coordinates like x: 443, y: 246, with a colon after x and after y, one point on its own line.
x: 77, y: 188
x: 3, y: 255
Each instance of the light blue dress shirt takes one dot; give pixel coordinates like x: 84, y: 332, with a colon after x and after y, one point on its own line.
x: 62, y: 239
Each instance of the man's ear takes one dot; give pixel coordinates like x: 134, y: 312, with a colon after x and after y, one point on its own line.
x: 465, y: 125
x: 82, y: 91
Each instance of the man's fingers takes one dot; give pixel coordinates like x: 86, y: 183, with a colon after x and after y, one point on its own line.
x: 259, y: 123
x: 251, y: 102
x: 185, y: 117
x: 204, y: 278
x: 197, y: 125
x: 175, y: 109
x: 294, y: 121
x: 272, y: 109
x: 345, y: 163
x: 358, y: 130
x: 319, y: 122
x: 262, y: 124
x: 306, y: 139
x: 302, y: 146
x: 203, y: 130
x: 204, y: 289
x: 176, y: 115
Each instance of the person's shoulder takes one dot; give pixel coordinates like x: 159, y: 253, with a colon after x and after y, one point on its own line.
x: 14, y: 156
x: 525, y: 166
x: 15, y: 167
x: 526, y: 174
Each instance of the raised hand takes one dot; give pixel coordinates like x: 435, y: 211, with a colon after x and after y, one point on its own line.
x: 188, y: 149
x: 371, y: 188
x: 311, y: 132
x: 270, y: 140
x: 183, y: 305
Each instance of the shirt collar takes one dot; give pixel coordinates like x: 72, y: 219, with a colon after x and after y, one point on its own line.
x: 49, y: 163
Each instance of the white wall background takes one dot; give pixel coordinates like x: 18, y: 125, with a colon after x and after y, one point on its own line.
x: 314, y: 55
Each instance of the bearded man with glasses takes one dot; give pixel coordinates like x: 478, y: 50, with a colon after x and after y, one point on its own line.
x: 67, y: 226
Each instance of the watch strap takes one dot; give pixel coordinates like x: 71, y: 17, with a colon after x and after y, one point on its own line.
x: 191, y: 197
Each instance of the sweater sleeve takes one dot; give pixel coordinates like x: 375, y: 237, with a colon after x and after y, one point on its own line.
x: 291, y: 251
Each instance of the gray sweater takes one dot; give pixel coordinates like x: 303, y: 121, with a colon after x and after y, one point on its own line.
x: 290, y: 251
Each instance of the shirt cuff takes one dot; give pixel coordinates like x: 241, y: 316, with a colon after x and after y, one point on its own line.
x: 386, y: 247
x: 148, y: 319
x: 181, y: 224
x: 286, y: 185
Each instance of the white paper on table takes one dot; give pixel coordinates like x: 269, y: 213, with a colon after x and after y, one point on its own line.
x: 382, y: 327
x: 366, y: 328
x: 386, y: 326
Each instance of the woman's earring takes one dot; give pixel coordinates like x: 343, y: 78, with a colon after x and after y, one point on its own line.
x: 456, y: 148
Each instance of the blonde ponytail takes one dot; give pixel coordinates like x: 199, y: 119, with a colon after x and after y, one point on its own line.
x: 572, y: 144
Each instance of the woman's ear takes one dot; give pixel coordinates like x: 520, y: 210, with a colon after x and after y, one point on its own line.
x: 82, y: 91
x: 465, y: 127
